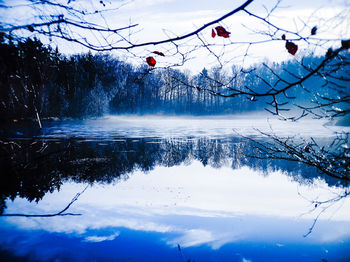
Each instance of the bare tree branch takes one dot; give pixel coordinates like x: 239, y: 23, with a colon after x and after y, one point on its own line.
x: 60, y: 213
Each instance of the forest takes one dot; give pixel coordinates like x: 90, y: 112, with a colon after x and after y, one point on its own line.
x: 40, y: 82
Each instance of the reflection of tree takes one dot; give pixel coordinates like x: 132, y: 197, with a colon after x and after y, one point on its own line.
x: 203, y: 154
x: 331, y: 159
x: 31, y: 168
x: 176, y: 152
x: 63, y: 212
x: 25, y: 171
x: 220, y: 154
x: 322, y: 206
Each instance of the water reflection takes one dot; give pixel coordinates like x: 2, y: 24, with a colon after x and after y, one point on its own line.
x: 191, y: 205
x: 35, y: 167
x: 148, y: 195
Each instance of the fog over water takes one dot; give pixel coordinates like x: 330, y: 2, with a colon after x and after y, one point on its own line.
x: 175, y: 126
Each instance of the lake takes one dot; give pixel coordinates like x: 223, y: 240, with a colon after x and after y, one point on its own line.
x: 156, y: 188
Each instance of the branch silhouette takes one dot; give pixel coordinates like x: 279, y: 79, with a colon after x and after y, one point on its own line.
x: 60, y: 213
x: 37, y: 27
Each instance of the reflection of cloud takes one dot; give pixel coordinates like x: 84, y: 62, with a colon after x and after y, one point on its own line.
x: 193, y: 237
x: 101, y: 238
x: 140, y: 224
x: 79, y: 225
x: 188, y: 230
x: 191, y: 205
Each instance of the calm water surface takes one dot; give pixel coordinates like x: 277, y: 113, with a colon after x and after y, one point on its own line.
x: 174, y: 189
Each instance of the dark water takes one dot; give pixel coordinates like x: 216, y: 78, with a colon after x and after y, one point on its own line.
x: 155, y: 189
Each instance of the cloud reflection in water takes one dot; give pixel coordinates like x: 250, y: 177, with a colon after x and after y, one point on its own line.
x: 194, y: 205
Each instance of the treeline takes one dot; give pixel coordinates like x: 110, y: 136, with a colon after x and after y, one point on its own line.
x: 37, y: 80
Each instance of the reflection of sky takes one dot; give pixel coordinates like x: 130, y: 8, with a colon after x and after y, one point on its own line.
x: 191, y: 206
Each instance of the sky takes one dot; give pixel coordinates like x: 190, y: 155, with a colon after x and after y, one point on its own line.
x: 161, y: 19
